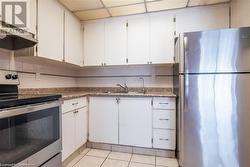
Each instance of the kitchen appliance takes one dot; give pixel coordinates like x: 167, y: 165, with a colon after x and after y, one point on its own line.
x: 14, y: 38
x: 213, y: 94
x: 30, y: 126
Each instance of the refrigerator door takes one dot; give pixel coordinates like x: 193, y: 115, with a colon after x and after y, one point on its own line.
x: 216, y: 120
x: 218, y: 51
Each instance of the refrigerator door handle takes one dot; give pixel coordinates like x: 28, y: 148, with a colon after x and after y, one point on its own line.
x: 181, y: 117
x: 182, y: 52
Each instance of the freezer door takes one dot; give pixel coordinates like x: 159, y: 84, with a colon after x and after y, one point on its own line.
x: 216, y: 120
x: 217, y: 51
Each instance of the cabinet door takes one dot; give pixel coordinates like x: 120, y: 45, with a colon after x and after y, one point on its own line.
x: 68, y: 134
x: 115, y: 42
x: 81, y: 127
x: 135, y: 122
x: 32, y: 17
x: 50, y: 29
x: 73, y: 40
x: 138, y: 40
x: 202, y: 18
x: 94, y: 44
x: 103, y: 120
x: 162, y: 38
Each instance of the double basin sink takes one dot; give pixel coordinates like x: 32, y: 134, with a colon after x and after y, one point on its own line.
x: 123, y: 92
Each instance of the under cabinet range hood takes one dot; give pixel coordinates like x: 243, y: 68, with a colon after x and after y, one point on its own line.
x: 14, y: 38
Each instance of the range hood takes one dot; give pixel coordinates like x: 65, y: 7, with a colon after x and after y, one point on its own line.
x: 14, y: 38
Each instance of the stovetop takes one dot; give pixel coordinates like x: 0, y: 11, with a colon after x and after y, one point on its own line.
x: 25, y: 99
x: 9, y: 97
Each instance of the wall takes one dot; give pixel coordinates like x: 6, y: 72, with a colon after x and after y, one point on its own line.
x: 154, y: 76
x: 240, y: 16
x: 33, y: 72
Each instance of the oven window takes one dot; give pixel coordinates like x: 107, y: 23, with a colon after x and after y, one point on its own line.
x: 23, y: 135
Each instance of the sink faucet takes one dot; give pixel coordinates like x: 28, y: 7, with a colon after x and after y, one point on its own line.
x: 143, y: 86
x: 125, y: 87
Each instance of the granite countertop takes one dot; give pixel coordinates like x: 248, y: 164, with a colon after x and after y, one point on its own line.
x: 71, y: 93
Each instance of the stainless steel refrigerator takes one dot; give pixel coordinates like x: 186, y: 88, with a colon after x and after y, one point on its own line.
x: 214, y: 98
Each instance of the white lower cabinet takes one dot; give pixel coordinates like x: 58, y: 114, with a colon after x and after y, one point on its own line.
x: 135, y: 122
x: 81, y: 127
x: 164, y: 123
x: 163, y: 119
x: 164, y: 139
x: 68, y: 132
x: 74, y: 126
x: 103, y: 120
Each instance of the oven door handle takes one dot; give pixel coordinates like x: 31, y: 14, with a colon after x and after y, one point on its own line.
x: 5, y: 113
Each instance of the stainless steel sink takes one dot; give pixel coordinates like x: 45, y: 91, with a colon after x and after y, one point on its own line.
x: 121, y: 92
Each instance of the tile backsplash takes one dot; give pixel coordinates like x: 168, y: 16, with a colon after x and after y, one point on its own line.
x: 41, y: 73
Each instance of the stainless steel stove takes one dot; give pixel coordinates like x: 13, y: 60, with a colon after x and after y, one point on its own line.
x: 30, y: 126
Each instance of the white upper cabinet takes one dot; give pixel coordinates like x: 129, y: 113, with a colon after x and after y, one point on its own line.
x: 50, y: 29
x: 162, y: 28
x: 94, y: 47
x: 138, y: 40
x: 202, y: 18
x: 32, y: 20
x: 135, y: 122
x: 73, y: 40
x: 115, y: 42
x: 103, y: 120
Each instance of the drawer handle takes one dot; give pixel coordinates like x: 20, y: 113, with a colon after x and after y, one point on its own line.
x: 164, y: 119
x: 163, y: 139
x: 73, y: 104
x: 164, y: 103
x: 75, y: 112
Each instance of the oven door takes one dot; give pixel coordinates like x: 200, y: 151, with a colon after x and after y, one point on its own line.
x: 30, y: 134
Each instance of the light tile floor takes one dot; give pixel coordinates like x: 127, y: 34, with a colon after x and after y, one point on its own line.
x: 103, y: 158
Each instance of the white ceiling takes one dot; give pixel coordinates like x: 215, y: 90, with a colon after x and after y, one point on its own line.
x: 97, y: 9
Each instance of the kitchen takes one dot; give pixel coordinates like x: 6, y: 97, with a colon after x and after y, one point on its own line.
x: 152, y: 83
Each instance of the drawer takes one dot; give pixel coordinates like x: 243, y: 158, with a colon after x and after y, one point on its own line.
x: 166, y: 103
x: 164, y: 119
x: 69, y: 105
x: 164, y: 139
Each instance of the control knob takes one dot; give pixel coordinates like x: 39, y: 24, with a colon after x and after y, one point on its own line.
x: 14, y: 76
x: 8, y: 76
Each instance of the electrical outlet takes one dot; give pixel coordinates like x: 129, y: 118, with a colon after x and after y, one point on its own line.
x: 38, y: 76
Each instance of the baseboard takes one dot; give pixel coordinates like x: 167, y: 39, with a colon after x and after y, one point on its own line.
x: 132, y: 150
x: 74, y: 155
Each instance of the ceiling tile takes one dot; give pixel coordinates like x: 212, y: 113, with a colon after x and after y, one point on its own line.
x: 127, y: 10
x: 205, y: 2
x: 76, y: 5
x: 113, y: 3
x: 166, y: 4
x: 92, y: 14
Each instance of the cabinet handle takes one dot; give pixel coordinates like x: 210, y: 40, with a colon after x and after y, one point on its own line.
x: 118, y: 100
x: 75, y: 112
x: 163, y: 139
x: 73, y: 104
x: 164, y: 103
x: 164, y: 119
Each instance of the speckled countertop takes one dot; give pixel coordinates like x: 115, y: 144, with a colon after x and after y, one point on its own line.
x: 71, y: 93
